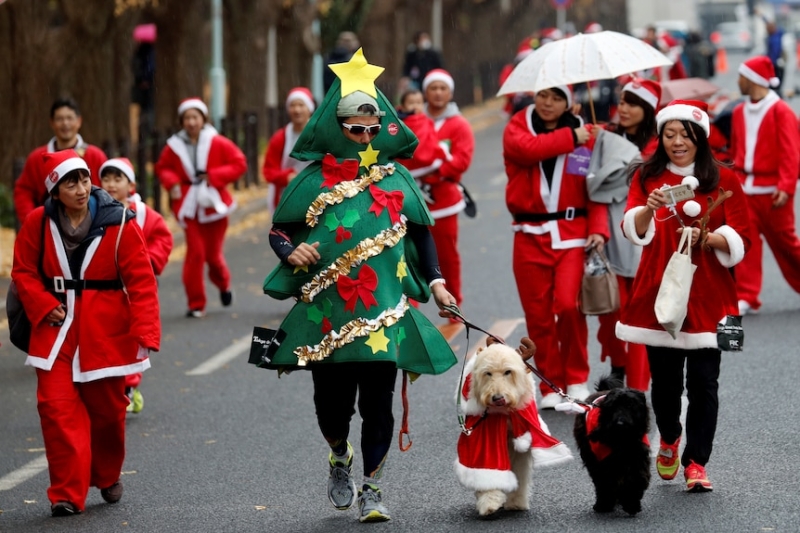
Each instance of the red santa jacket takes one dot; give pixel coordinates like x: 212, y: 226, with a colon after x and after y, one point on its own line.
x: 429, y: 154
x: 528, y: 192
x: 455, y: 132
x: 713, y: 292
x: 483, y: 461
x: 222, y: 161
x: 279, y: 164
x: 157, y: 235
x: 114, y: 327
x: 765, y: 145
x: 29, y: 189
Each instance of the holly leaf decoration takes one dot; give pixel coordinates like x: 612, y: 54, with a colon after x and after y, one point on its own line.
x: 314, y: 314
x: 350, y: 218
x: 331, y: 221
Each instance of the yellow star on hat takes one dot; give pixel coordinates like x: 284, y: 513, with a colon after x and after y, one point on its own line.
x: 369, y: 156
x: 357, y: 75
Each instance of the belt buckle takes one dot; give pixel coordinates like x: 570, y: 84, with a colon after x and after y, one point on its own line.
x: 570, y: 213
x: 58, y: 284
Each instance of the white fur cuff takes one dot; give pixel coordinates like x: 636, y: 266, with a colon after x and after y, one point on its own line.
x: 523, y: 442
x: 735, y: 244
x: 558, y: 454
x: 629, y: 227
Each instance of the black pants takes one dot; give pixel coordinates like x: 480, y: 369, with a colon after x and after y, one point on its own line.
x: 702, y: 385
x: 335, y: 387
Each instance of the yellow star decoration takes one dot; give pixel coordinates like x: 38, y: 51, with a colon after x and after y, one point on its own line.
x: 369, y: 156
x: 357, y: 75
x: 302, y: 268
x: 378, y: 341
x: 402, y: 268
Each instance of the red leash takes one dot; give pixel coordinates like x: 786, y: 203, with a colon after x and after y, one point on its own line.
x: 404, y: 424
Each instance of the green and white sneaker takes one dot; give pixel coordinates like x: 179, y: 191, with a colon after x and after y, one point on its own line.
x: 341, y: 487
x: 370, y: 508
x: 136, y: 400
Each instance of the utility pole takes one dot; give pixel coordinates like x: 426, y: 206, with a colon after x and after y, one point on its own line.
x: 436, y: 24
x: 217, y: 73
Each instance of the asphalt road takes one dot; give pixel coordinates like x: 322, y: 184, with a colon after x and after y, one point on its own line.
x: 225, y: 447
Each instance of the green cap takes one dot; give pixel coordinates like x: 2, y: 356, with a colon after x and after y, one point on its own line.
x: 350, y: 104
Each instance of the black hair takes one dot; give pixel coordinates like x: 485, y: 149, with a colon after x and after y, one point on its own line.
x: 407, y: 93
x: 706, y: 167
x: 560, y: 93
x: 112, y: 170
x: 64, y: 102
x: 647, y: 128
x: 73, y: 176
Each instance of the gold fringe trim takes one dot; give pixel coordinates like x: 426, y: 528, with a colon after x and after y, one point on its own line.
x: 369, y: 247
x: 356, y: 328
x: 346, y: 189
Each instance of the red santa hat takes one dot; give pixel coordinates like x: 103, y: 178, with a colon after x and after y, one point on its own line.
x: 122, y: 164
x: 593, y: 27
x: 647, y: 90
x: 58, y: 164
x: 760, y: 71
x: 302, y: 94
x: 688, y: 110
x: 551, y: 34
x: 567, y: 90
x: 526, y: 46
x: 438, y: 74
x: 192, y: 103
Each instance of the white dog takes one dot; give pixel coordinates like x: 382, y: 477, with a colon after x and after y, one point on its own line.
x: 505, y: 436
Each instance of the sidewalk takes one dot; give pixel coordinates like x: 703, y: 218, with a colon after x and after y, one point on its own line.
x: 251, y: 200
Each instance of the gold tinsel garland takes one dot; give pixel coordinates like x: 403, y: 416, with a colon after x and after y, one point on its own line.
x: 358, y: 327
x: 369, y: 247
x: 346, y: 189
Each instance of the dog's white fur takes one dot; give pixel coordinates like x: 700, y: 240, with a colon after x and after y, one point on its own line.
x: 500, y: 382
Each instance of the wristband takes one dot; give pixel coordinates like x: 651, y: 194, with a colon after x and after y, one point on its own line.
x: 435, y: 282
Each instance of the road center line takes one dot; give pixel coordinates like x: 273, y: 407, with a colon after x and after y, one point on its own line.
x: 24, y: 473
x: 222, y: 358
x: 501, y: 328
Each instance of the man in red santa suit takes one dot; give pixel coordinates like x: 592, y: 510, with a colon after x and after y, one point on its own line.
x: 442, y: 183
x: 65, y: 121
x: 196, y: 167
x: 280, y: 167
x: 765, y: 149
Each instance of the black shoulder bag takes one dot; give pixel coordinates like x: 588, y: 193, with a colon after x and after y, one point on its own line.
x: 19, y: 325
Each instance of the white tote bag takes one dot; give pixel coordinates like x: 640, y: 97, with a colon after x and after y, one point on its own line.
x: 673, y: 294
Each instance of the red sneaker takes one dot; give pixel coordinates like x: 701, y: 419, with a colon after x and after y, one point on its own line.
x: 668, y: 461
x: 696, y: 478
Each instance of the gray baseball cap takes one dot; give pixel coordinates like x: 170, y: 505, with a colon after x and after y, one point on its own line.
x: 350, y: 104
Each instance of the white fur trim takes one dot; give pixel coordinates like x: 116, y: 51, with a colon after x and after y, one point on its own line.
x: 642, y: 92
x: 424, y: 171
x: 653, y: 337
x: 683, y: 112
x: 193, y: 103
x: 546, y: 457
x: 449, y: 211
x: 523, y: 442
x: 100, y: 373
x: 120, y: 165
x: 629, y: 227
x: 485, y: 478
x: 302, y: 96
x: 73, y: 163
x: 735, y: 244
x: 757, y: 78
x: 438, y: 75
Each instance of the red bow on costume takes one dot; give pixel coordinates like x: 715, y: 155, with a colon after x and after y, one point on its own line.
x: 335, y: 172
x: 362, y: 287
x: 393, y: 201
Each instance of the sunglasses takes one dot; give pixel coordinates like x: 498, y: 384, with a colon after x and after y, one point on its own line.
x: 358, y: 129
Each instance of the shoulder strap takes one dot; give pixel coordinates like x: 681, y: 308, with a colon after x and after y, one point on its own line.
x: 41, y: 249
x: 116, y: 246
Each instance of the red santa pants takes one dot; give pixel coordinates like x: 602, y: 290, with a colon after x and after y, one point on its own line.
x: 445, y: 236
x: 204, y: 245
x: 624, y: 354
x: 83, y: 425
x: 548, y: 282
x: 776, y: 224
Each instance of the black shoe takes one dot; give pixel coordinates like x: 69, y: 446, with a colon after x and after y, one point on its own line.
x: 64, y: 509
x: 113, y: 493
x: 226, y: 297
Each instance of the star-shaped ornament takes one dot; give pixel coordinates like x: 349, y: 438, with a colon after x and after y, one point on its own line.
x: 302, y: 268
x: 369, y: 156
x: 402, y: 268
x: 357, y: 75
x: 378, y: 341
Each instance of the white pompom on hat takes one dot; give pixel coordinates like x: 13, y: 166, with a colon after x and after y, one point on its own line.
x: 122, y: 164
x: 438, y: 74
x: 760, y: 71
x: 688, y: 110
x: 304, y: 95
x: 59, y: 164
x: 192, y: 103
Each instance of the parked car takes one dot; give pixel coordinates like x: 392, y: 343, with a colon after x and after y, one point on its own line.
x: 733, y: 36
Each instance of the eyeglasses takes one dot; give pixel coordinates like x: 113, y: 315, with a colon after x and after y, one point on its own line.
x: 358, y: 129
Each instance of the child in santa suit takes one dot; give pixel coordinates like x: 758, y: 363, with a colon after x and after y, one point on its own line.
x: 765, y: 149
x: 196, y: 167
x: 279, y: 166
x: 554, y: 223
x: 119, y: 180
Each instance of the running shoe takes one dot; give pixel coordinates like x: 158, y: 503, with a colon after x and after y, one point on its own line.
x: 341, y: 487
x: 668, y: 461
x: 137, y: 401
x: 370, y: 508
x: 696, y: 478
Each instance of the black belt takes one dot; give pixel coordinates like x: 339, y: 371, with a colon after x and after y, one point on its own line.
x: 568, y: 214
x: 59, y: 284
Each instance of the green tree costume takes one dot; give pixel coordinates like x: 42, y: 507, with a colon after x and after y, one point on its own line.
x: 356, y: 202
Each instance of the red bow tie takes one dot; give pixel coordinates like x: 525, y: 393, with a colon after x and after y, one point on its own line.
x: 392, y: 200
x: 335, y: 172
x: 362, y: 287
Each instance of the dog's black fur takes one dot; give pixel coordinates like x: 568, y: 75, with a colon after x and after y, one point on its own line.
x: 624, y: 475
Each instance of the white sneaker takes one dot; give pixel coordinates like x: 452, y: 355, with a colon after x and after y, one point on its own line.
x: 550, y: 400
x: 578, y: 391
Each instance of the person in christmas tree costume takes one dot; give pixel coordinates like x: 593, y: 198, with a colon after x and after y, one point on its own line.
x: 351, y: 232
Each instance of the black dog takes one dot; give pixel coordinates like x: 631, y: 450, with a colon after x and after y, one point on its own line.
x: 612, y: 439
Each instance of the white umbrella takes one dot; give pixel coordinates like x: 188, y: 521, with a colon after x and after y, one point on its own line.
x: 582, y: 58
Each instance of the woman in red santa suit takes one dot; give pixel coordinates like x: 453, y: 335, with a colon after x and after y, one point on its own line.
x: 85, y: 281
x: 684, y: 156
x: 280, y: 167
x: 196, y: 167
x: 554, y: 222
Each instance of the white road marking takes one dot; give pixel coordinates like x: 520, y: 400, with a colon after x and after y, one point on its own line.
x: 499, y: 179
x: 24, y: 473
x: 501, y: 328
x: 222, y: 358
